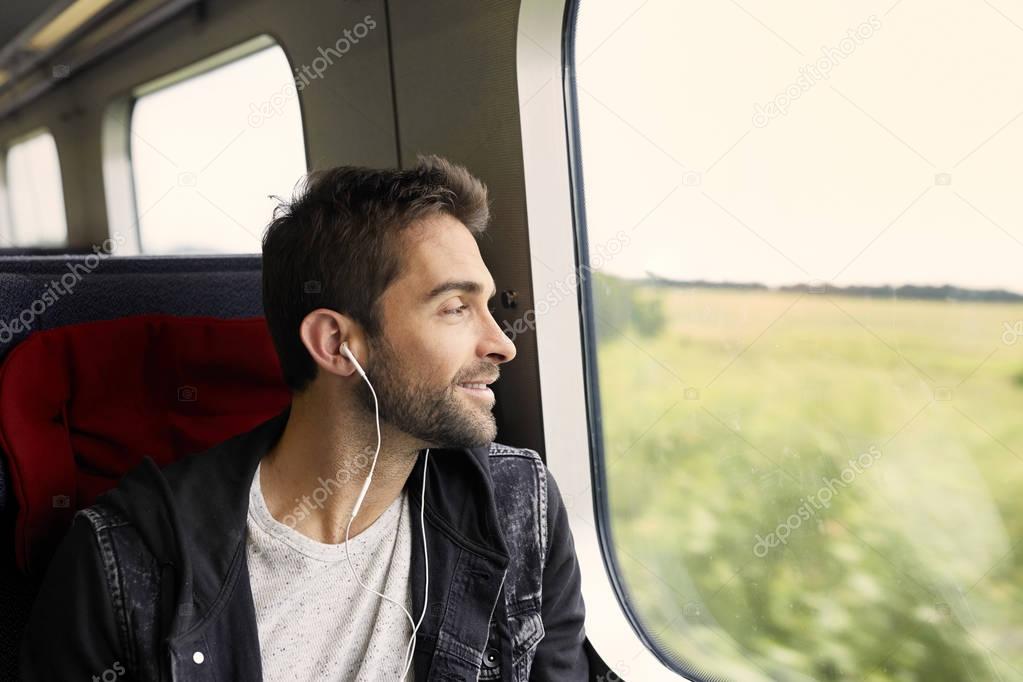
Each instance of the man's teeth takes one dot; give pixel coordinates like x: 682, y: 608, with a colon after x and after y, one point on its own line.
x: 481, y: 386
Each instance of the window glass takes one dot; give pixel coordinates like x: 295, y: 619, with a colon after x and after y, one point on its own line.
x: 208, y: 152
x: 803, y: 224
x: 35, y: 193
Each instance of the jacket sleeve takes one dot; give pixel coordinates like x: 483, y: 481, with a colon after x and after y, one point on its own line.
x: 72, y: 632
x: 560, y: 655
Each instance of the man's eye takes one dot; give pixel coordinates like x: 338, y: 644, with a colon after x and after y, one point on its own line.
x: 459, y: 310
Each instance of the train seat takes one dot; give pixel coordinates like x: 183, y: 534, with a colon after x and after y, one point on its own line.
x: 81, y: 405
x: 129, y: 357
x: 45, y: 292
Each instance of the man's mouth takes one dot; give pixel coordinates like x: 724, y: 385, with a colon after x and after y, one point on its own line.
x: 477, y: 390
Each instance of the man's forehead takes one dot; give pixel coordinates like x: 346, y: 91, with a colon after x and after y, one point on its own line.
x: 441, y: 238
x: 442, y: 260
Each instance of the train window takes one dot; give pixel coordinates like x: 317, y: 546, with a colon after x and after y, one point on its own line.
x: 803, y: 231
x: 208, y: 150
x: 35, y: 193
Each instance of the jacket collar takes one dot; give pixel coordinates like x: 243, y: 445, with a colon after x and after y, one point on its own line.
x: 193, y: 512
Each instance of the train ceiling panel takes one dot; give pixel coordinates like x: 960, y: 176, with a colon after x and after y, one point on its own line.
x: 42, y: 44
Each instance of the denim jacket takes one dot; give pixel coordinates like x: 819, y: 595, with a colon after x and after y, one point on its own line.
x: 151, y: 582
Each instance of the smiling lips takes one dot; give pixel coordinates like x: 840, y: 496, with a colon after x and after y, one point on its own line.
x: 478, y: 390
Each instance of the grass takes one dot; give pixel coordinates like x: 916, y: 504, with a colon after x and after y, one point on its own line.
x: 910, y: 572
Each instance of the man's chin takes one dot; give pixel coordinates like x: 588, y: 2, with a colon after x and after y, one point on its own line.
x: 456, y: 425
x: 479, y: 438
x: 480, y: 442
x: 473, y: 442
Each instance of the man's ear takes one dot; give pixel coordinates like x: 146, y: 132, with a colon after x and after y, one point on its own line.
x: 322, y: 332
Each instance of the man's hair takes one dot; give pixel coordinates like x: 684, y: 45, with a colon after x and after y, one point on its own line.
x: 337, y: 245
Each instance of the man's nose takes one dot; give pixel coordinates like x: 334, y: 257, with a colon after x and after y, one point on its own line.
x: 500, y: 348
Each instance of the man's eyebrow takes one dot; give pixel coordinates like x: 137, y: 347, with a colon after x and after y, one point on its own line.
x: 465, y: 285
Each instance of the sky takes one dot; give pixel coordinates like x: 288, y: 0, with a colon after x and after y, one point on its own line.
x: 890, y: 157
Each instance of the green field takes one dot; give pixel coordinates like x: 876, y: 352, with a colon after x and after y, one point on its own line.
x: 727, y: 418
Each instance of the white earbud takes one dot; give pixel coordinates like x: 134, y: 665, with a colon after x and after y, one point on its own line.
x: 351, y: 356
x: 409, y: 651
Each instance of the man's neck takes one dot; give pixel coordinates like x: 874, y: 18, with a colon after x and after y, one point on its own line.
x: 312, y: 476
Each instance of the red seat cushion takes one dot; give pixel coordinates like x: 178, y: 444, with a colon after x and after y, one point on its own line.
x: 81, y: 405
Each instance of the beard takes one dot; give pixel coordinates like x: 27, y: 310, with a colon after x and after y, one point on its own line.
x: 434, y: 414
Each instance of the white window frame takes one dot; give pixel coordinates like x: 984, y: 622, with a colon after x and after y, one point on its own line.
x: 547, y: 161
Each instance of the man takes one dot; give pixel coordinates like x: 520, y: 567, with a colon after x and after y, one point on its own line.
x: 233, y: 564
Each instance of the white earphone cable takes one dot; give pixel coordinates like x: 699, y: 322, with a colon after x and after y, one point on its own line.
x: 410, y: 649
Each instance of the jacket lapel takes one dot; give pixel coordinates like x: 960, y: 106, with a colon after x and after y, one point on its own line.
x: 468, y: 559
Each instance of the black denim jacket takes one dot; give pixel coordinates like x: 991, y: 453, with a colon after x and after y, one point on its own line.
x: 151, y: 582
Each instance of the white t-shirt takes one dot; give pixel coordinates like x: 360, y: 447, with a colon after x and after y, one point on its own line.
x: 315, y: 621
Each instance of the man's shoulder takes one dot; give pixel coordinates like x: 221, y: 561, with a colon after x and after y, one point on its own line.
x: 521, y: 484
x: 499, y: 451
x: 512, y: 468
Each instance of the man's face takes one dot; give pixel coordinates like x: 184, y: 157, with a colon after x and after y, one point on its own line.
x: 431, y: 344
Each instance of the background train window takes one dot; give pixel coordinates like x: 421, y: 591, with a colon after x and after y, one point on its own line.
x: 35, y: 193
x: 208, y: 150
x: 804, y: 232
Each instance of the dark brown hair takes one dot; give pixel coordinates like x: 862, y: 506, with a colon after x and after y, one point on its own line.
x: 337, y: 245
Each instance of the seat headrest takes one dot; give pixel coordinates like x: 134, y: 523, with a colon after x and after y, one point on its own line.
x: 81, y: 405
